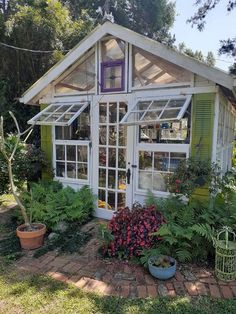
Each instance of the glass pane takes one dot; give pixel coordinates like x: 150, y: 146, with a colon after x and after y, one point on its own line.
x: 102, y: 177
x: 142, y: 105
x: 113, y: 113
x: 145, y: 180
x: 66, y: 117
x: 102, y: 113
x: 121, y: 180
x: 112, y: 135
x: 60, y: 152
x: 71, y: 170
x: 102, y: 156
x: 121, y: 200
x: 113, y: 49
x: 82, y: 152
x: 60, y: 169
x: 149, y: 69
x: 54, y: 117
x: 161, y: 161
x: 175, y: 159
x: 122, y: 110
x: 158, y: 104
x: 102, y: 199
x: 122, y: 158
x: 102, y: 135
x: 111, y: 179
x: 58, y: 133
x: 151, y: 116
x: 122, y: 135
x: 159, y: 182
x: 170, y: 114
x: 176, y: 103
x: 145, y: 160
x: 82, y: 171
x: 111, y: 200
x: 81, y: 126
x: 112, y: 157
x: 71, y: 152
x: 81, y: 79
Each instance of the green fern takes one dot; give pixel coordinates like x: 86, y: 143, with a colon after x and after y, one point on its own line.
x: 205, y: 231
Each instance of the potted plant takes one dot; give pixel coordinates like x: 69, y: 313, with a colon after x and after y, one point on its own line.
x: 162, y: 267
x: 31, y: 235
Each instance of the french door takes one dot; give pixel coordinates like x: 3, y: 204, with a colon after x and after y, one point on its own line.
x: 112, y: 154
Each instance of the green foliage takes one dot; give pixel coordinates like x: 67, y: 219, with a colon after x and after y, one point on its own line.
x: 51, y: 204
x: 27, y: 164
x: 190, y: 231
x: 191, y: 174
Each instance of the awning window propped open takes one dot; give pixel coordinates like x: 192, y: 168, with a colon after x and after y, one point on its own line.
x: 61, y: 114
x: 157, y: 110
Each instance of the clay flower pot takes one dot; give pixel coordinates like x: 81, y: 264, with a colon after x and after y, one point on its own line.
x: 31, y: 240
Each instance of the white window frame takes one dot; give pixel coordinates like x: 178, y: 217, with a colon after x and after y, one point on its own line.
x: 70, y: 105
x: 76, y: 144
x: 152, y: 99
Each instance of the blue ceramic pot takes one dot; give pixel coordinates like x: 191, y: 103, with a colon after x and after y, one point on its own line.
x: 160, y: 272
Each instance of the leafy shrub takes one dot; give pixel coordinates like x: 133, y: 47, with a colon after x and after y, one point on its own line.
x: 130, y: 231
x: 27, y: 164
x: 190, y: 227
x: 51, y: 204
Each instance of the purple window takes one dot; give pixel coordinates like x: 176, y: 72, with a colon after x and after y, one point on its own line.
x: 112, y: 76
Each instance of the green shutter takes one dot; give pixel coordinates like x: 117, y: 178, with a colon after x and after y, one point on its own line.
x: 202, y: 125
x: 46, y: 146
x: 202, y: 132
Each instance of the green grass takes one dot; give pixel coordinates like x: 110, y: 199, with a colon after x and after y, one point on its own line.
x: 25, y: 293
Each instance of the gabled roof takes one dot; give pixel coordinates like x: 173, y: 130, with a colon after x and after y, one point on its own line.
x: 220, y: 77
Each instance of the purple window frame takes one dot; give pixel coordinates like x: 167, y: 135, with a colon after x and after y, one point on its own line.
x: 111, y: 64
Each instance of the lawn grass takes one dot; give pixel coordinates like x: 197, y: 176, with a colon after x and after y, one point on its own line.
x: 27, y: 293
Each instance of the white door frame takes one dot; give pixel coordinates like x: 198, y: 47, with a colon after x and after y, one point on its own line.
x: 128, y: 98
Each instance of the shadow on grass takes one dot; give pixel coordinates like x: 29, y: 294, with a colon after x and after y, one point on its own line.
x: 36, y: 293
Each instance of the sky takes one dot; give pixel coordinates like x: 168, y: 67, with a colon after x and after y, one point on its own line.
x: 220, y: 24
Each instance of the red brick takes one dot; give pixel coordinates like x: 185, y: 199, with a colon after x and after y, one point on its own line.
x: 201, y: 288
x: 69, y: 268
x: 226, y: 292
x: 58, y: 276
x: 107, y: 278
x: 47, y: 260
x: 142, y: 291
x: 171, y: 293
x: 149, y: 280
x: 152, y: 291
x: 179, y: 288
x: 202, y: 273
x: 125, y: 291
x: 127, y: 269
x: 210, y: 280
x: 191, y: 288
x: 233, y: 288
x: 139, y: 276
x: 169, y: 286
x: 214, y: 291
x: 179, y: 276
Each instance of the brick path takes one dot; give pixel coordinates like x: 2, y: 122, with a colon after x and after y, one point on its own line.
x: 87, y: 271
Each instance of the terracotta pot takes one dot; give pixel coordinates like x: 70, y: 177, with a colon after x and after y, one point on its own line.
x: 31, y: 240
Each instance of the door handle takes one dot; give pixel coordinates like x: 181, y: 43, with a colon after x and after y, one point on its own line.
x: 128, y: 175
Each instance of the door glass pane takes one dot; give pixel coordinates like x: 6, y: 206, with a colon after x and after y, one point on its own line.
x: 122, y: 135
x: 111, y: 199
x: 122, y: 110
x: 111, y: 179
x: 161, y: 161
x: 122, y: 158
x: 121, y: 180
x: 102, y: 177
x: 102, y: 113
x: 113, y: 113
x: 102, y: 156
x: 112, y: 157
x: 145, y: 180
x: 159, y: 182
x: 112, y: 135
x: 175, y: 159
x: 145, y: 160
x: 121, y: 200
x: 102, y: 135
